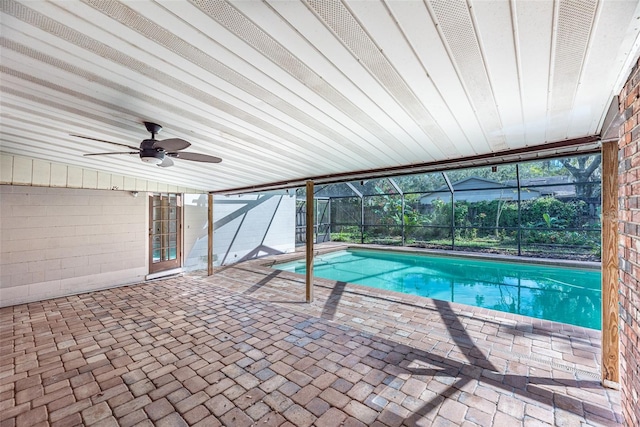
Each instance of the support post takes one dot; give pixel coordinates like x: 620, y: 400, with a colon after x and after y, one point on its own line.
x: 453, y: 220
x: 519, y: 235
x: 362, y: 219
x: 453, y: 210
x: 310, y: 238
x: 210, y: 234
x: 399, y: 190
x: 403, y: 224
x: 610, y: 316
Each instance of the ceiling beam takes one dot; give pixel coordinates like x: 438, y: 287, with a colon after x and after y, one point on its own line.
x: 613, y: 120
x: 584, y: 145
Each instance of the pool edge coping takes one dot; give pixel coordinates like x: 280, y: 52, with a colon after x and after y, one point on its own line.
x: 294, y: 256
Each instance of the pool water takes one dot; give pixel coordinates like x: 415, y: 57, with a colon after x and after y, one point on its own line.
x: 568, y: 295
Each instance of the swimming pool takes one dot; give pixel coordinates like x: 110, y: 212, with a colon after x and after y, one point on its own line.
x: 568, y: 295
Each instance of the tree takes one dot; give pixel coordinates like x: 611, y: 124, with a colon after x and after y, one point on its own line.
x: 582, y: 168
x: 502, y: 202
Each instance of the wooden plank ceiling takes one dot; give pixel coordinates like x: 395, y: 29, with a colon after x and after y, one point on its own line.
x: 288, y: 90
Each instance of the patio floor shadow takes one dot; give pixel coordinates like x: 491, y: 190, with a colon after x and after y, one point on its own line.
x: 232, y: 349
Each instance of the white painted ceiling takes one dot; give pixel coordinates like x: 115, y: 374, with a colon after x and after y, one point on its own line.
x: 288, y: 90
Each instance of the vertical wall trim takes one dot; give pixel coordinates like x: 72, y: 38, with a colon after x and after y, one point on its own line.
x: 610, y: 317
x: 310, y: 237
x: 210, y: 234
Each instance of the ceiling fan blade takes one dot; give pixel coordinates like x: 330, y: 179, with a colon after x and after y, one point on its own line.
x: 196, y: 157
x: 172, y: 144
x: 108, y: 142
x: 166, y: 162
x: 105, y: 154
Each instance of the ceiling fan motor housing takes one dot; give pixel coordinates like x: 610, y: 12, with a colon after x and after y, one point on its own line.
x: 148, y: 154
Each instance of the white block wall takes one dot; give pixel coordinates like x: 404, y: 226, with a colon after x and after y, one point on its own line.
x: 252, y: 224
x: 61, y: 241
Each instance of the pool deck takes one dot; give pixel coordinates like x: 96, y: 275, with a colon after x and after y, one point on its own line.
x: 243, y: 348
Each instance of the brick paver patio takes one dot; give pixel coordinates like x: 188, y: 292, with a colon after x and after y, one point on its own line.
x: 241, y: 348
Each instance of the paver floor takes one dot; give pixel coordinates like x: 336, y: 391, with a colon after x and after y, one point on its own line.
x: 241, y: 348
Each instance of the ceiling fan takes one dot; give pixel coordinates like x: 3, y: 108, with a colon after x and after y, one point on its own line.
x: 158, y: 152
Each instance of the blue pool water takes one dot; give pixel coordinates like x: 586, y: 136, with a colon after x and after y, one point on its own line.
x: 568, y: 295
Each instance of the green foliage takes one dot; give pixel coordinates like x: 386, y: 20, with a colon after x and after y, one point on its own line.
x: 387, y: 210
x: 552, y: 221
x: 441, y: 214
x: 420, y: 183
x: 563, y: 237
x: 545, y: 224
x: 350, y: 234
x: 345, y: 210
x: 551, y: 212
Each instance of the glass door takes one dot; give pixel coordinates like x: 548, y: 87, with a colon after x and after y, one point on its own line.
x: 164, y: 232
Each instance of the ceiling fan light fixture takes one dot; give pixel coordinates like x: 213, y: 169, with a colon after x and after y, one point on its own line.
x: 151, y: 156
x: 151, y: 160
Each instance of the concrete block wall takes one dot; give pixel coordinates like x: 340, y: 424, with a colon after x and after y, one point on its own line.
x: 61, y: 241
x: 629, y: 248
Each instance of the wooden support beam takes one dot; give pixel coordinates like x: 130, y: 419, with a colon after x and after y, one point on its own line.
x: 210, y: 235
x: 310, y: 239
x: 610, y: 316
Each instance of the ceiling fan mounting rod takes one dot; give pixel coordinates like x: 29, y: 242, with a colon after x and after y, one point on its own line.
x: 154, y: 128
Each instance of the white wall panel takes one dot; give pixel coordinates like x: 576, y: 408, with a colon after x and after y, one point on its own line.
x: 117, y: 182
x: 41, y: 173
x: 19, y: 170
x: 6, y: 169
x: 195, y: 242
x: 104, y: 181
x: 58, y: 175
x: 252, y: 226
x: 89, y: 179
x: 129, y: 184
x: 22, y: 171
x: 74, y: 177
